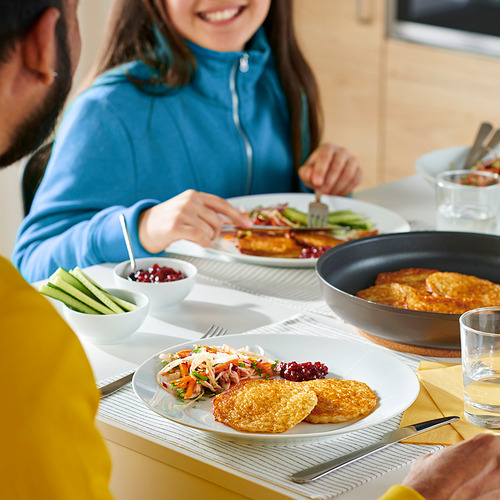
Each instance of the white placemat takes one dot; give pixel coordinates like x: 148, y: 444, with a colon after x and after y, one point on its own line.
x: 275, y: 464
x: 298, y: 288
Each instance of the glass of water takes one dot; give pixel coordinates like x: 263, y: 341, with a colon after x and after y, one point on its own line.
x: 480, y: 340
x: 467, y: 200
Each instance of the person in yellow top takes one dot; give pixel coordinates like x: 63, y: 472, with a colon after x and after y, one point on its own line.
x: 50, y: 447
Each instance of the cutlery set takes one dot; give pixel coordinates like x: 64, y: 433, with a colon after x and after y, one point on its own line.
x: 480, y: 147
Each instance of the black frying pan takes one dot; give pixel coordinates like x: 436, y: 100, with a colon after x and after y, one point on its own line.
x: 354, y: 265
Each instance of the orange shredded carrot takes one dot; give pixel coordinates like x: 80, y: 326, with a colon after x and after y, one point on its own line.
x: 182, y: 382
x: 184, y: 369
x: 190, y: 389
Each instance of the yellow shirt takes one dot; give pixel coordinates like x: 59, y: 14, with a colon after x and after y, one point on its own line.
x: 400, y: 492
x: 50, y: 448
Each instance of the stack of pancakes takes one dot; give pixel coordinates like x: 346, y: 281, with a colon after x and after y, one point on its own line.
x: 273, y: 406
x: 430, y: 290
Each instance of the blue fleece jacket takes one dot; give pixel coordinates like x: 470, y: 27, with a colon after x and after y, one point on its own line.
x: 121, y: 149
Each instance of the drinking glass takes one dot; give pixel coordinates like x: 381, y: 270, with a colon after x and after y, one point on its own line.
x: 467, y: 200
x: 480, y: 339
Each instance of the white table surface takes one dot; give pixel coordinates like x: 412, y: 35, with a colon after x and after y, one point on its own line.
x: 209, y: 303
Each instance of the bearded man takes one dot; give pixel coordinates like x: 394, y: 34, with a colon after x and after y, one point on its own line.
x: 51, y: 448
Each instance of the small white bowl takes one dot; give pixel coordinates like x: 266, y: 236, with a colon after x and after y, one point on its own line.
x: 160, y: 295
x: 110, y: 328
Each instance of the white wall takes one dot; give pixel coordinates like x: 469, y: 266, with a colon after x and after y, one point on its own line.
x: 92, y: 15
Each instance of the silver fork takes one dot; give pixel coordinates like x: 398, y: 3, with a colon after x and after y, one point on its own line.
x: 317, y: 216
x: 214, y: 331
x: 112, y: 387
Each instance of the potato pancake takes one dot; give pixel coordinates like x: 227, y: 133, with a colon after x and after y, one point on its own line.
x: 270, y: 406
x: 340, y: 400
x: 454, y: 285
x: 412, y: 276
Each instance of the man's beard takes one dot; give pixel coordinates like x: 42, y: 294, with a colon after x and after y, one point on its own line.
x: 33, y: 131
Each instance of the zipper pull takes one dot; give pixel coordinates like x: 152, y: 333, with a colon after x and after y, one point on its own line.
x: 244, y: 63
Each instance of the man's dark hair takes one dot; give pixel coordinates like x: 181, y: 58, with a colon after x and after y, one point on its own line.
x: 16, y: 19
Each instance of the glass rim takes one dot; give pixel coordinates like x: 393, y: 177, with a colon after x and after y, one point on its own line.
x: 479, y: 310
x: 442, y: 180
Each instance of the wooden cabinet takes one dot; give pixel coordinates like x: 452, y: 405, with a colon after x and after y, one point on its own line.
x: 434, y: 98
x: 343, y: 41
x: 390, y: 101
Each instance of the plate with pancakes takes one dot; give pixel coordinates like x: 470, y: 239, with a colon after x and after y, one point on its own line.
x: 369, y: 386
x: 384, y: 221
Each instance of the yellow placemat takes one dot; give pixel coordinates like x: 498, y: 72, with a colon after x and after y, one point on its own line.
x: 441, y: 395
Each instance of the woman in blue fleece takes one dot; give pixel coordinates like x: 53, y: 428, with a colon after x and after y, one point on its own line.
x: 196, y: 101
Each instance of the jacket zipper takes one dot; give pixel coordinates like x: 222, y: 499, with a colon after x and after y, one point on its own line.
x: 242, y: 65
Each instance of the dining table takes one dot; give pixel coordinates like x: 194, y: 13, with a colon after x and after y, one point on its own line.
x: 154, y: 457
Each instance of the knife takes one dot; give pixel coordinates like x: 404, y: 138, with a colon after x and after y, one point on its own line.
x: 317, y: 471
x: 228, y: 228
x: 112, y: 387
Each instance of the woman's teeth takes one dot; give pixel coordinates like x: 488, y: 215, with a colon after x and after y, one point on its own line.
x: 220, y: 15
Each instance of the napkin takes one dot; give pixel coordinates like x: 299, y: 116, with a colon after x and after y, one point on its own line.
x: 441, y: 395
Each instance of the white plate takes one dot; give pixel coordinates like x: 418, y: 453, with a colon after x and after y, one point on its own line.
x: 440, y: 160
x: 396, y: 384
x: 385, y: 221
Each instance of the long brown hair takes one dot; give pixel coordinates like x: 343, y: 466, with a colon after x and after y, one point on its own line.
x: 130, y: 37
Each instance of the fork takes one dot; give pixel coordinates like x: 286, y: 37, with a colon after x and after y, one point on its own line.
x: 112, y: 387
x: 317, y: 216
x: 214, y: 331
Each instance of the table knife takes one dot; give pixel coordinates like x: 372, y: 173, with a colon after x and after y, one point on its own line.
x: 228, y: 228
x: 112, y: 387
x: 317, y: 471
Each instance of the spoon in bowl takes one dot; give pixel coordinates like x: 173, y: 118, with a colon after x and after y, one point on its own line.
x: 126, y: 235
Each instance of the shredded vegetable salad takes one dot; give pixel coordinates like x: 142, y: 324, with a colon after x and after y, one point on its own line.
x: 205, y: 370
x: 272, y: 216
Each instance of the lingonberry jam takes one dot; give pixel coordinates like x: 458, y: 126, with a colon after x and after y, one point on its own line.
x: 313, y: 252
x: 298, y: 372
x: 156, y: 274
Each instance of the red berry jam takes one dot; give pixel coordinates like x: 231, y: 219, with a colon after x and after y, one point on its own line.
x: 156, y: 274
x: 313, y: 252
x: 298, y: 372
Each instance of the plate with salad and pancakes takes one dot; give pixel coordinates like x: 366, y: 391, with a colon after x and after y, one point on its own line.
x: 346, y: 361
x: 288, y: 248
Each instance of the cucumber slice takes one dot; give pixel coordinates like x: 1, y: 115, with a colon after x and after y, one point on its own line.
x: 96, y: 290
x: 55, y: 293
x: 295, y: 215
x: 71, y: 280
x: 124, y: 304
x: 82, y: 297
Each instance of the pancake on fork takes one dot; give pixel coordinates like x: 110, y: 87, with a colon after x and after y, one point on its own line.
x: 340, y: 400
x: 258, y: 405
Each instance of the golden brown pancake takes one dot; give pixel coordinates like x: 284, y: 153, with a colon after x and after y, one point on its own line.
x: 269, y: 244
x: 412, y: 276
x: 270, y: 406
x: 453, y: 285
x: 391, y: 294
x: 340, y: 400
x: 316, y: 238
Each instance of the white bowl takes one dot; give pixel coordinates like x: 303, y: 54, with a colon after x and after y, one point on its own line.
x: 110, y: 328
x: 440, y: 160
x: 160, y: 295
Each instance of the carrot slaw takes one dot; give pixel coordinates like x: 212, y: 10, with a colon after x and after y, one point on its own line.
x: 209, y: 370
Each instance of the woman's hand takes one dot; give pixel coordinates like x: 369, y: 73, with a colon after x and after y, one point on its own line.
x: 332, y: 170
x: 191, y: 215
